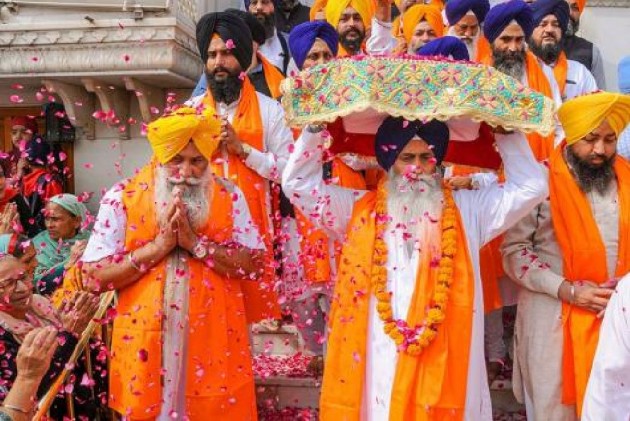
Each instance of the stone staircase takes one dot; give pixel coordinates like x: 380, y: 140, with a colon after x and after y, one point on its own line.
x: 286, y: 392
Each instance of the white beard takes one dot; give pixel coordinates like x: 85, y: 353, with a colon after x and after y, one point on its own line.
x: 194, y: 195
x: 470, y: 46
x: 414, y: 205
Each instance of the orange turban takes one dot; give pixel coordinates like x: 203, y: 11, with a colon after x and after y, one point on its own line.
x: 581, y: 5
x: 335, y: 8
x: 419, y: 12
x: 318, y: 6
x: 170, y: 134
x: 583, y: 114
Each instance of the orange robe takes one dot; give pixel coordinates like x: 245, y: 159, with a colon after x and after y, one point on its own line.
x: 218, y: 366
x: 260, y: 300
x: 430, y: 386
x: 584, y: 258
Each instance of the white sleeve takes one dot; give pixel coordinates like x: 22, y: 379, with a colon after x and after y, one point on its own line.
x: 278, y: 137
x: 329, y: 207
x: 588, y: 83
x: 607, y: 394
x: 499, y: 206
x: 381, y: 40
x: 108, y: 235
x: 245, y: 232
x: 553, y: 84
x: 484, y: 179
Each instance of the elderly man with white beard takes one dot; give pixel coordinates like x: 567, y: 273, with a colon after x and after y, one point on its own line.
x: 465, y: 18
x: 406, y: 331
x: 175, y: 242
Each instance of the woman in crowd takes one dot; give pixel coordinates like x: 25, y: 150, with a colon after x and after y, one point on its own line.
x: 21, y: 311
x: 63, y: 242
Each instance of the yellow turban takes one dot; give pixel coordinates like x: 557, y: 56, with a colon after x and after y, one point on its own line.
x: 437, y: 3
x: 318, y: 6
x: 419, y: 12
x: 335, y: 8
x: 170, y: 134
x: 581, y: 115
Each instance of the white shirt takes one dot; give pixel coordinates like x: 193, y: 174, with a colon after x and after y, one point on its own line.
x: 485, y: 213
x: 272, y: 50
x: 579, y: 81
x: 381, y: 40
x: 608, y: 392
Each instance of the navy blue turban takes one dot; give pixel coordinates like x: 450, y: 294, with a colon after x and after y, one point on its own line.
x: 558, y: 8
x: 229, y: 27
x: 501, y: 15
x: 457, y: 9
x: 247, y: 2
x: 395, y: 132
x: 255, y: 27
x: 303, y: 36
x: 445, y: 47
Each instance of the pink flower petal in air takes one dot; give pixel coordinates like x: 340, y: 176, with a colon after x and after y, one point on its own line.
x: 17, y: 86
x: 16, y: 99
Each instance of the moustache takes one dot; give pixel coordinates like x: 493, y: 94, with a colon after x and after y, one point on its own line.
x: 185, y: 181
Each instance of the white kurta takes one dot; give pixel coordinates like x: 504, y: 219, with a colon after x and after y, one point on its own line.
x: 579, y: 81
x: 108, y: 239
x: 485, y: 213
x: 272, y: 50
x: 608, y: 391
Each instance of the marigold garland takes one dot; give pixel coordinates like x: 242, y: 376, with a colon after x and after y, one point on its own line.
x: 413, y: 340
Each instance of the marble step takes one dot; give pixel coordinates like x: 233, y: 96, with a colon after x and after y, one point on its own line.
x: 284, y: 341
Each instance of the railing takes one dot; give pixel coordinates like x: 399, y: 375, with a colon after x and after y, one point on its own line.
x: 609, y: 3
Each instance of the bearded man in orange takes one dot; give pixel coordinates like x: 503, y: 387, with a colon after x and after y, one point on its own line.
x: 567, y: 255
x: 255, y: 140
x: 406, y: 328
x: 176, y: 242
x: 352, y: 20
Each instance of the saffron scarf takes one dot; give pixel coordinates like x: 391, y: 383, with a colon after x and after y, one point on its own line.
x: 583, y: 258
x: 273, y: 76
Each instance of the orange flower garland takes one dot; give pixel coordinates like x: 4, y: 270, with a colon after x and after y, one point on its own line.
x: 414, y: 339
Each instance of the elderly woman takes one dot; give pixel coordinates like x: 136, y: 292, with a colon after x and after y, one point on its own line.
x: 20, y: 312
x: 63, y: 242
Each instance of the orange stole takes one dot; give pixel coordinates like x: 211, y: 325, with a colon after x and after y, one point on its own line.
x: 219, y: 378
x: 542, y: 146
x: 431, y: 386
x: 560, y: 72
x: 260, y: 300
x: 273, y: 76
x: 314, y: 246
x: 584, y: 258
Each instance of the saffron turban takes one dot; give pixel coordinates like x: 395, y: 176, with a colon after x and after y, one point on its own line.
x: 583, y: 114
x: 229, y: 27
x: 558, y: 8
x: 624, y: 75
x: 170, y: 134
x: 581, y: 5
x: 255, y: 27
x: 395, y: 132
x: 318, y: 6
x: 26, y: 122
x: 419, y: 12
x: 303, y: 36
x: 501, y: 15
x: 335, y: 8
x: 446, y: 47
x: 457, y: 9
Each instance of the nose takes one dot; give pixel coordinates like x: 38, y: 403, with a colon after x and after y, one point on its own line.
x: 185, y: 170
x: 599, y: 148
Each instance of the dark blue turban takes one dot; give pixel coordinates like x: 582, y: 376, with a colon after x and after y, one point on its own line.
x: 302, y: 38
x: 229, y: 27
x: 395, y: 132
x: 445, y: 47
x: 255, y: 27
x: 558, y: 8
x: 37, y: 151
x: 247, y: 2
x: 500, y: 16
x: 457, y: 9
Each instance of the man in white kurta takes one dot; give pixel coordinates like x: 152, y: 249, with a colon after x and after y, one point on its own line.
x: 552, y: 18
x: 485, y: 214
x: 608, y: 391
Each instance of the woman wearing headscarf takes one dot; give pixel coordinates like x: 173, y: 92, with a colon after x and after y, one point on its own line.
x: 21, y: 311
x: 63, y: 242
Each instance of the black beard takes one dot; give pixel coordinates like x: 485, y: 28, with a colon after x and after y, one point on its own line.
x: 268, y: 22
x: 226, y: 91
x: 510, y: 63
x: 546, y: 52
x: 288, y: 5
x: 573, y: 27
x: 352, y: 45
x: 589, y: 177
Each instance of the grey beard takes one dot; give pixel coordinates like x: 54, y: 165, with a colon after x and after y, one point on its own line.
x: 511, y: 64
x: 411, y: 201
x: 195, y: 197
x: 591, y: 178
x: 548, y: 53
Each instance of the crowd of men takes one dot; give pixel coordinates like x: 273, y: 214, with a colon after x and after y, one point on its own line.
x: 395, y: 268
